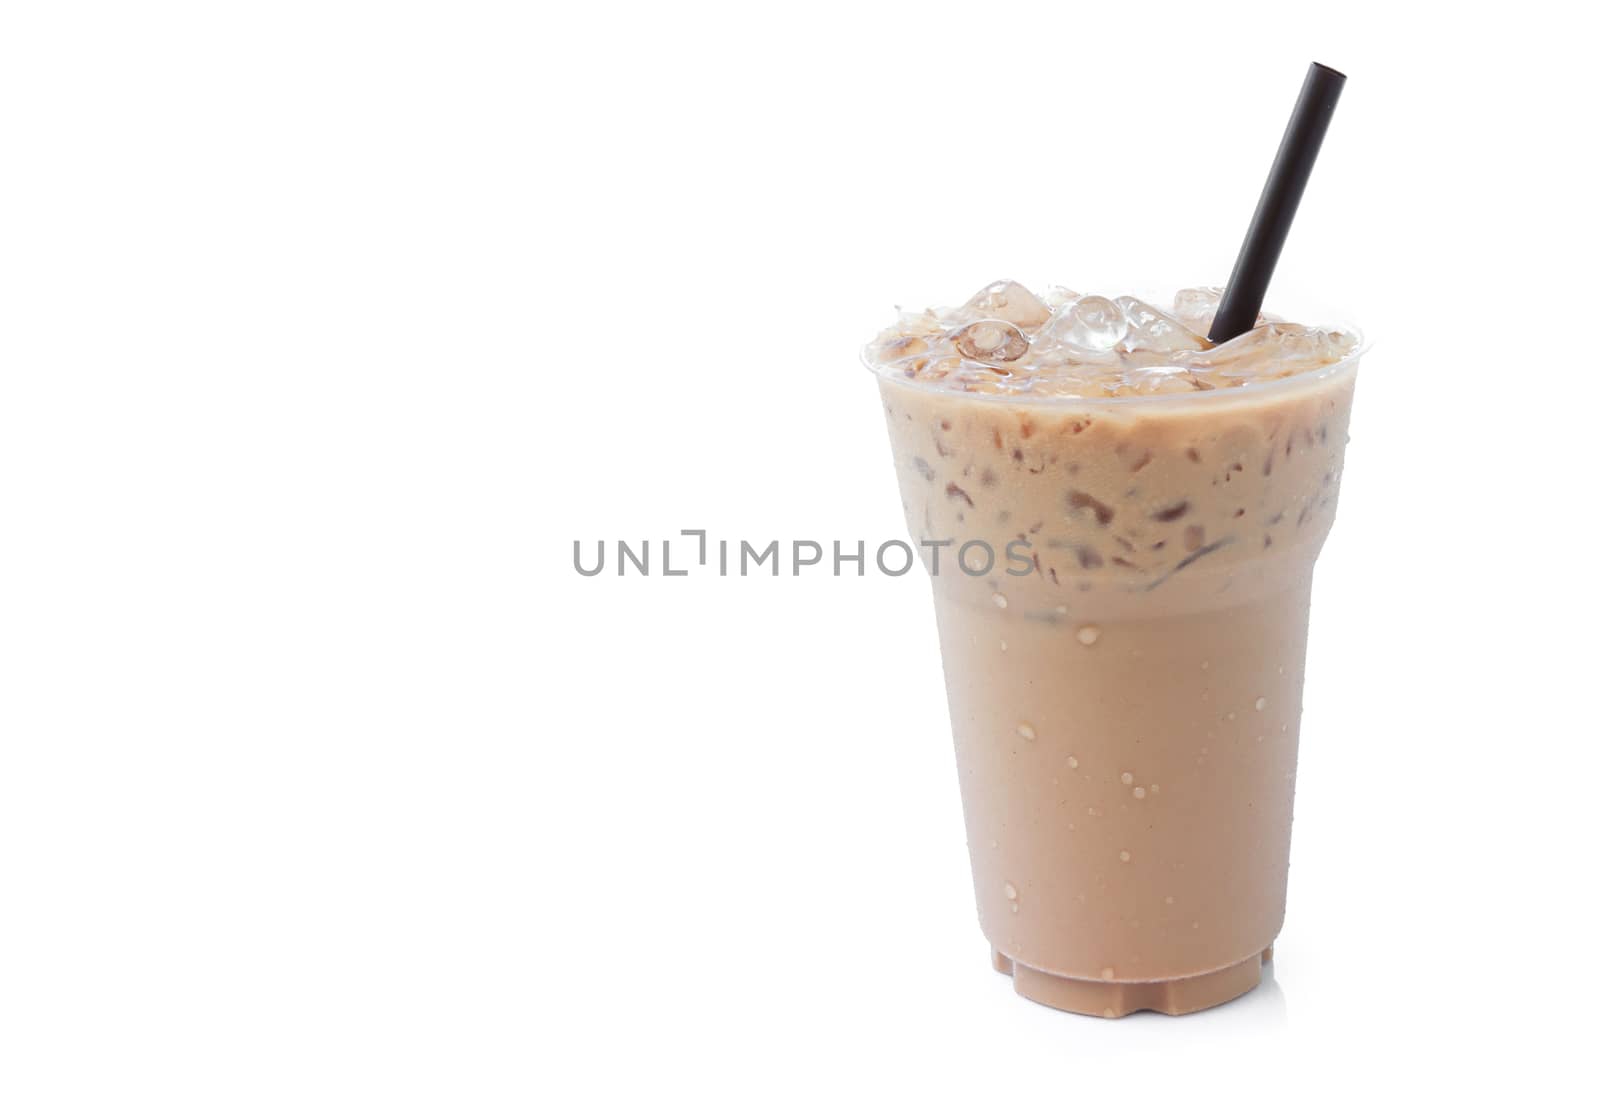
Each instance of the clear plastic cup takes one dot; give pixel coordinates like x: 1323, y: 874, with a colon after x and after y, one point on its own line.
x: 1126, y: 713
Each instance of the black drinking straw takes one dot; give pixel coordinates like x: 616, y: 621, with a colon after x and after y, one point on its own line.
x: 1291, y: 169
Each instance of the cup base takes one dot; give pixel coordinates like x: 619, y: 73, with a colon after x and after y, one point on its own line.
x: 1112, y: 999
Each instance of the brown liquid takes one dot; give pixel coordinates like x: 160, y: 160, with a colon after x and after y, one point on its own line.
x: 1126, y: 716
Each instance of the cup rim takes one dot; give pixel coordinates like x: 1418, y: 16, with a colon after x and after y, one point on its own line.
x: 1321, y: 375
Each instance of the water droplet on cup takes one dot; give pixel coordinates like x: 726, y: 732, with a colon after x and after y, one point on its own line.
x: 1026, y: 731
x: 1088, y: 635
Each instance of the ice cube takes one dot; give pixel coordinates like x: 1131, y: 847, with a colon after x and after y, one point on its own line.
x: 1058, y: 296
x: 973, y: 376
x: 1339, y: 344
x: 1195, y: 307
x: 987, y: 379
x: 1272, y: 350
x: 1154, y: 331
x: 899, y: 346
x: 1247, y: 350
x: 938, y: 370
x: 920, y: 323
x: 1088, y: 323
x: 1156, y: 380
x: 1010, y: 301
x: 991, y: 341
x: 1050, y: 354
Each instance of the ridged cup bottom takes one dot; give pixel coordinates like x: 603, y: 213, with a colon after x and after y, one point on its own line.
x: 1112, y: 999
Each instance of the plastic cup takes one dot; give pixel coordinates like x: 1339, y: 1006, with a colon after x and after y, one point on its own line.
x: 1126, y: 713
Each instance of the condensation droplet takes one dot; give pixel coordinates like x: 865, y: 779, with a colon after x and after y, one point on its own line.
x: 1127, y: 778
x: 1011, y: 890
x: 999, y: 600
x: 1072, y: 762
x: 1110, y: 1012
x: 1261, y: 703
x: 1125, y: 855
x: 1154, y: 789
x: 1169, y: 899
x: 1013, y: 909
x: 1026, y: 731
x: 1107, y: 974
x: 1003, y: 646
x: 1138, y: 793
x: 1088, y: 635
x: 1231, y: 716
x: 1061, y: 609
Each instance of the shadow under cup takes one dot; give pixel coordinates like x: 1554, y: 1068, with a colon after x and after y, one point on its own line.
x: 1125, y: 681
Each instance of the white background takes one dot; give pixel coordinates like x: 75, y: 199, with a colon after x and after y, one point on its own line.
x: 325, y: 329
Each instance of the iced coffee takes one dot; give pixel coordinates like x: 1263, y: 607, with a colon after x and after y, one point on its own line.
x: 1124, y: 678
